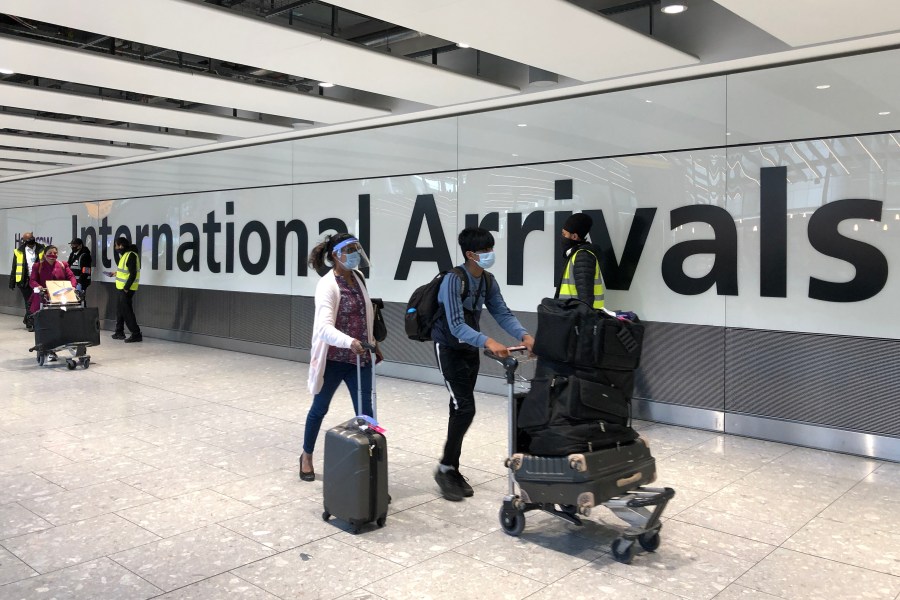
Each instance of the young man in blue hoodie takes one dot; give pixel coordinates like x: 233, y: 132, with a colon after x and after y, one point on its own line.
x: 457, y: 343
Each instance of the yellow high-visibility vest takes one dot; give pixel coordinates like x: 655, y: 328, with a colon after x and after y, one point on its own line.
x: 123, y: 273
x: 567, y: 285
x: 21, y: 261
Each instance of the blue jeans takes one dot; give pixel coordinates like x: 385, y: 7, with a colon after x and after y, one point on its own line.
x: 335, y: 373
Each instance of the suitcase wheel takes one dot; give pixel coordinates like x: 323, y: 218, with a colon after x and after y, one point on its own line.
x: 41, y: 358
x: 326, y: 515
x: 649, y: 541
x: 623, y: 550
x: 512, y: 521
x: 381, y: 520
x: 86, y: 362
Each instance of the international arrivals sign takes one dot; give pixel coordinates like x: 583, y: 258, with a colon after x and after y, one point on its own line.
x: 761, y: 246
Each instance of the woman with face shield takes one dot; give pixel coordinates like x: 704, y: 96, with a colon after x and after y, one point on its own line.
x: 343, y: 322
x: 50, y: 268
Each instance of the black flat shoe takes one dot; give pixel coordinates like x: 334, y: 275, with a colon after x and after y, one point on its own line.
x: 306, y: 475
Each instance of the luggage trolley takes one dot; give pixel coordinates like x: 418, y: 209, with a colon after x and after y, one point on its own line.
x: 569, y: 486
x: 62, y: 326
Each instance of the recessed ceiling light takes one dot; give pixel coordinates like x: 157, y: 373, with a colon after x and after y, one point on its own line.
x: 6, y: 71
x: 649, y: 101
x: 463, y: 45
x: 673, y: 7
x: 824, y: 86
x: 523, y: 125
x: 326, y: 84
x: 727, y: 133
x: 884, y: 113
x: 515, y: 154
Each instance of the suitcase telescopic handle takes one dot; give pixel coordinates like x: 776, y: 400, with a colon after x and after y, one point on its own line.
x: 359, y: 396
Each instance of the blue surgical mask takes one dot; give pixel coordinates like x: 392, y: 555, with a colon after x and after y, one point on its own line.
x: 352, y: 260
x: 485, y: 260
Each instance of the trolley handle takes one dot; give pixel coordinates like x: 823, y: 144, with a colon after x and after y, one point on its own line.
x: 509, y: 363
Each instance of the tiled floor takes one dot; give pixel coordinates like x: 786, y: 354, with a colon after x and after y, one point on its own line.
x: 169, y: 471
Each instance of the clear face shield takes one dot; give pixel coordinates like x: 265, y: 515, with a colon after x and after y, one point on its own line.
x: 351, y: 255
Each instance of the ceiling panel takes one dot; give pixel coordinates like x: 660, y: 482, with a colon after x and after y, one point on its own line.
x: 533, y: 32
x: 91, y: 68
x: 804, y: 22
x: 29, y: 141
x: 209, y: 31
x: 97, y: 132
x: 46, y: 157
x: 6, y: 164
x: 44, y: 100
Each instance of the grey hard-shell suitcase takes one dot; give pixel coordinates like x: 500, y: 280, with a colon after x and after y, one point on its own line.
x: 355, y: 479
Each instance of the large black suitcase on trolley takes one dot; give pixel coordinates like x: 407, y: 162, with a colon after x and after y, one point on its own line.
x: 585, y: 479
x: 355, y: 479
x: 56, y: 327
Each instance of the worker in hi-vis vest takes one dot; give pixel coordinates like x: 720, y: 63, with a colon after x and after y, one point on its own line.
x: 581, y: 277
x: 25, y: 256
x: 128, y: 276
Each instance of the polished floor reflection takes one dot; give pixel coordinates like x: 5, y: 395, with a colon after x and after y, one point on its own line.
x: 170, y: 471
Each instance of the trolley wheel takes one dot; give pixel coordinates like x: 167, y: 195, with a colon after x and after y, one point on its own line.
x: 70, y: 364
x: 41, y: 358
x: 326, y: 515
x: 623, y: 550
x: 512, y: 521
x: 649, y: 541
x: 381, y: 520
x: 86, y: 362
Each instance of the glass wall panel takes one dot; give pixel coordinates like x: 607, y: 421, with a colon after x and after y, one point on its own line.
x: 676, y: 116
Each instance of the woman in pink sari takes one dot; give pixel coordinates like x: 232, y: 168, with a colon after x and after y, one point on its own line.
x: 48, y: 269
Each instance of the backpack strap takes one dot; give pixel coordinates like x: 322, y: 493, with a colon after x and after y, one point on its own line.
x: 463, y: 281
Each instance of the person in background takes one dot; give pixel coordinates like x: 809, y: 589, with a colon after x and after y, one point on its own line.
x: 128, y: 276
x: 457, y: 339
x: 48, y: 269
x: 581, y: 277
x: 343, y: 322
x: 25, y: 256
x: 80, y: 262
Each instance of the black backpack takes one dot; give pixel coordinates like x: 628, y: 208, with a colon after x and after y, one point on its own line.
x: 423, y: 309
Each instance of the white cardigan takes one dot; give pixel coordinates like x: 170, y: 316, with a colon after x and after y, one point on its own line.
x: 328, y: 297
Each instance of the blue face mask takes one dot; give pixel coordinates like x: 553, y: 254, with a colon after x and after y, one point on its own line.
x: 352, y: 260
x: 485, y: 260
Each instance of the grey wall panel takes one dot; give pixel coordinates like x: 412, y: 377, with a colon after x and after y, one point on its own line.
x: 302, y: 314
x: 683, y: 364
x: 844, y: 382
x: 261, y: 318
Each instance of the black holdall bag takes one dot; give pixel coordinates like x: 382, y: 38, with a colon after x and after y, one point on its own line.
x: 560, y: 325
x: 560, y: 400
x: 570, y: 331
x: 620, y: 343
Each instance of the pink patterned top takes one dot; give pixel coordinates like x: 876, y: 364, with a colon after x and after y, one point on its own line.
x: 351, y: 319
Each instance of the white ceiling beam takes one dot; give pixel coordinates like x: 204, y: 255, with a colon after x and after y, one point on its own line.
x: 41, y: 99
x: 100, y: 70
x: 5, y: 164
x: 98, y: 132
x: 579, y: 43
x: 47, y: 157
x: 30, y: 141
x: 206, y: 30
x: 805, y: 22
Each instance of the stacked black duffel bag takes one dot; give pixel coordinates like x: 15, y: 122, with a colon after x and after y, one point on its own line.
x: 580, y: 398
